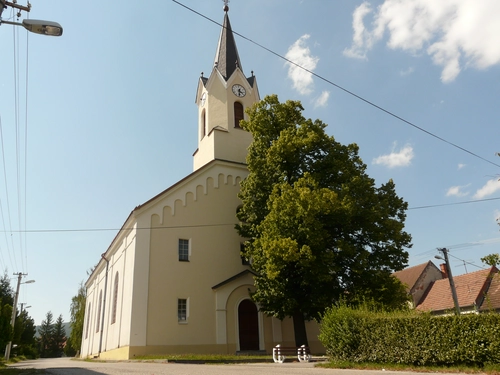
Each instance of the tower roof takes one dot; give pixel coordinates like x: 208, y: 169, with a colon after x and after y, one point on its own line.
x: 227, y: 58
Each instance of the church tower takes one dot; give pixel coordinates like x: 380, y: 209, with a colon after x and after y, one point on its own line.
x: 222, y: 99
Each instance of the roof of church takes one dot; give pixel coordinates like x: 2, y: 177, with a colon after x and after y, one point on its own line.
x: 227, y: 58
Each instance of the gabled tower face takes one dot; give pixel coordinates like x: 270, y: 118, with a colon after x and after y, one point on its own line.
x: 222, y: 99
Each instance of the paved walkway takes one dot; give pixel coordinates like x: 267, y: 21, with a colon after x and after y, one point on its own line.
x: 68, y: 366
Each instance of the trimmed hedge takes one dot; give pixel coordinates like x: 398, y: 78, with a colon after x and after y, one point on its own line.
x: 407, y: 337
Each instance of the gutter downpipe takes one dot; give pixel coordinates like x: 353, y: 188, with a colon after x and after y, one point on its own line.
x: 103, y: 303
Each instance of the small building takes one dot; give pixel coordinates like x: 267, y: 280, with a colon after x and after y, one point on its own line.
x: 417, y: 279
x: 476, y: 291
x: 491, y: 302
x: 173, y: 280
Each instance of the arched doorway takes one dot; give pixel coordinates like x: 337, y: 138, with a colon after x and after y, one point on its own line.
x: 248, y: 323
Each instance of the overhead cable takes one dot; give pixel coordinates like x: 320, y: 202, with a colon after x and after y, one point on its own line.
x: 344, y: 89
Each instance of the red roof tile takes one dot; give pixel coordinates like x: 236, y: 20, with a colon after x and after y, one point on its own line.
x: 470, y: 289
x: 492, y: 299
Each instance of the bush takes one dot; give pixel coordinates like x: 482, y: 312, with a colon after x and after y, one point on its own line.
x: 365, y: 334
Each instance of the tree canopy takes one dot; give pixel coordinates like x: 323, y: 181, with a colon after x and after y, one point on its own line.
x: 318, y: 228
x: 491, y: 259
x: 77, y: 311
x: 6, y: 302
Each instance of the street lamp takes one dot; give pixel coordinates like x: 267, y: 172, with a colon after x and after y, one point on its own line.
x: 35, y: 26
x: 24, y: 307
x: 38, y: 26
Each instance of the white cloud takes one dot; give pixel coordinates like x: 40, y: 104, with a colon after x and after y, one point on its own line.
x: 406, y: 72
x: 300, y: 54
x: 457, y: 191
x: 460, y: 166
x: 361, y: 40
x: 396, y: 159
x: 454, y: 33
x: 491, y: 187
x: 322, y: 100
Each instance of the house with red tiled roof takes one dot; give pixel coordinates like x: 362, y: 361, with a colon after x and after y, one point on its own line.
x: 472, y: 292
x: 417, y: 279
x: 492, y: 298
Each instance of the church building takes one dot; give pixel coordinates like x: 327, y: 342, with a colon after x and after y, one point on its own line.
x: 172, y: 280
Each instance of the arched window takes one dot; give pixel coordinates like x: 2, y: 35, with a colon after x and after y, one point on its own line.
x: 238, y: 114
x: 115, y: 299
x: 203, y: 123
x: 98, y: 320
x: 88, y: 323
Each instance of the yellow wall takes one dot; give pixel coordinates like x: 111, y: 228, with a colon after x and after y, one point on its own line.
x: 207, y: 218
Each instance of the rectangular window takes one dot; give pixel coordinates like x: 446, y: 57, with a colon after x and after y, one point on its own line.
x: 182, y: 310
x: 184, y: 250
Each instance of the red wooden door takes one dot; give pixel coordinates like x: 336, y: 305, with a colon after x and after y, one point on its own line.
x: 248, y: 323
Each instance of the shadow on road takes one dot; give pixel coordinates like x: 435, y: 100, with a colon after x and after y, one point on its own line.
x: 72, y: 371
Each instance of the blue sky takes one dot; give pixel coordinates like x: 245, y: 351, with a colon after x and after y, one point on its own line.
x: 107, y: 118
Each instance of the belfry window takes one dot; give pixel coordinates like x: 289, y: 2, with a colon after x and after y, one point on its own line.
x: 203, y: 123
x: 238, y: 114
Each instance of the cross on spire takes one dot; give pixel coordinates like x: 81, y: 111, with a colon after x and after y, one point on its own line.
x: 226, y: 7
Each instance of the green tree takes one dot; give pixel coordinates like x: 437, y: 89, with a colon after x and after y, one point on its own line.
x: 6, y: 302
x: 77, y: 311
x: 317, y: 226
x: 5, y: 326
x: 59, y: 338
x: 491, y: 259
x: 25, y: 335
x: 46, y: 332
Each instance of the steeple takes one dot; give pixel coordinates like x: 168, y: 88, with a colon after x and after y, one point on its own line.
x: 221, y: 99
x: 227, y: 58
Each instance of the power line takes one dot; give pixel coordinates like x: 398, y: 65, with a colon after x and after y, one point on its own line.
x: 14, y: 266
x: 115, y: 229
x: 453, y: 204
x: 26, y: 152
x: 343, y: 89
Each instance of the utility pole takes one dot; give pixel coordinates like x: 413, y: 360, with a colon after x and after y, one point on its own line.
x: 13, y: 318
x: 450, y: 279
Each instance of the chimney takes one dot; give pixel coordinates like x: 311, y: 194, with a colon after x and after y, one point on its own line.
x: 444, y: 272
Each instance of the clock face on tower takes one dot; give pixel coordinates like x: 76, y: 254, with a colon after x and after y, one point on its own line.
x: 203, y: 99
x: 239, y: 91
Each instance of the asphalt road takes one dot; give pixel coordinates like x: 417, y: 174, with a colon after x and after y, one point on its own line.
x: 63, y: 366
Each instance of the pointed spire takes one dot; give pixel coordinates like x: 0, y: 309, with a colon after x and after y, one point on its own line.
x: 227, y: 58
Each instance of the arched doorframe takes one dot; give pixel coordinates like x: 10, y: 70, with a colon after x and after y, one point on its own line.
x: 259, y: 320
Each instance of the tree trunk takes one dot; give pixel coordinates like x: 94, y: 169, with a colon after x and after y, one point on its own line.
x: 299, y: 328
